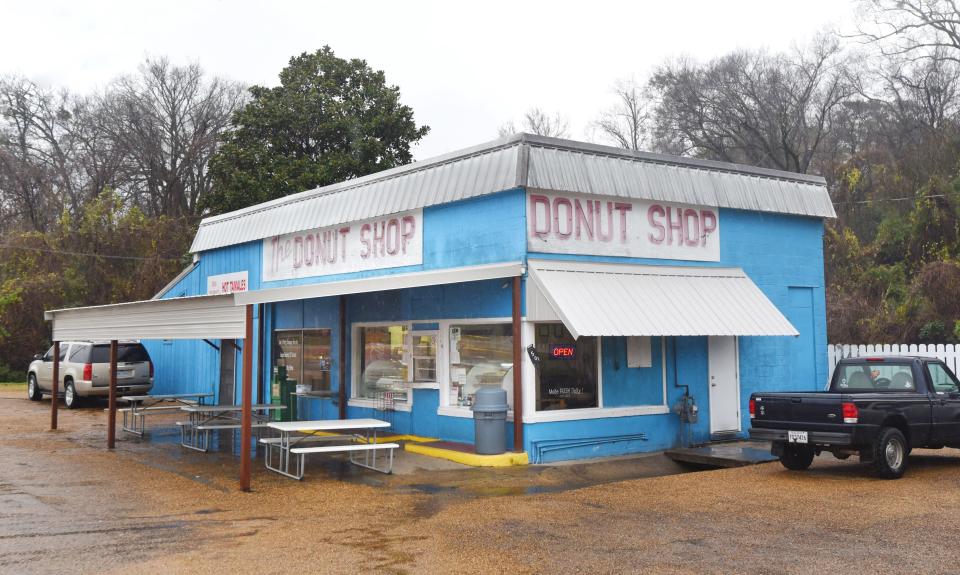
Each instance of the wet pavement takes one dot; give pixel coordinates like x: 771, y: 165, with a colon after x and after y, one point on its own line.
x: 67, y: 505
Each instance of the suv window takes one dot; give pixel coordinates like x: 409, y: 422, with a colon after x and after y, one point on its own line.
x: 126, y: 353
x: 942, y: 380
x: 876, y: 377
x: 79, y: 353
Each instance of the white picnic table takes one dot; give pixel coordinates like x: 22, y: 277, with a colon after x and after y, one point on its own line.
x: 207, y: 418
x: 139, y: 406
x: 361, y: 434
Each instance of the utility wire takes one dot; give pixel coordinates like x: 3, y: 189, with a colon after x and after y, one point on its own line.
x: 907, y: 199
x: 85, y: 254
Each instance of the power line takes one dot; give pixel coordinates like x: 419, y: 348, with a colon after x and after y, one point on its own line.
x: 907, y: 199
x: 85, y: 254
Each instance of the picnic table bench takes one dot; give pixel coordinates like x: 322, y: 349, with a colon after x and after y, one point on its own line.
x: 195, y: 433
x: 140, y: 406
x: 362, y: 437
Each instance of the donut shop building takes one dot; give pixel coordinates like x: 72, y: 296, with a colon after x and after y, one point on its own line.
x: 625, y: 301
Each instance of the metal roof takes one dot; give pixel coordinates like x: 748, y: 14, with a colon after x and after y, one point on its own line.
x: 523, y: 160
x: 200, y: 317
x: 594, y: 299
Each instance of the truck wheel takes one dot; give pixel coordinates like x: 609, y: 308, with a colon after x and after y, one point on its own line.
x: 70, y: 398
x: 890, y: 453
x: 33, y: 390
x: 796, y: 458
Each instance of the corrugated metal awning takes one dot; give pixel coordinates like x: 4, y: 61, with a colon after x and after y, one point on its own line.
x: 596, y: 299
x: 201, y: 317
x: 382, y: 283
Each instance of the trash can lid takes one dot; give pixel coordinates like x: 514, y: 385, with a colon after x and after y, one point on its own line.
x: 490, y: 398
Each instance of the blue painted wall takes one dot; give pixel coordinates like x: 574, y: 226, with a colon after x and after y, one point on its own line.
x: 782, y: 254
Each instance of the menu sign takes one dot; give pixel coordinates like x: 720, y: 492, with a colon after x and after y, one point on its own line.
x: 386, y: 242
x: 578, y: 224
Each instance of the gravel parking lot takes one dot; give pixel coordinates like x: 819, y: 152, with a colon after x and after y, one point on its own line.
x: 67, y: 505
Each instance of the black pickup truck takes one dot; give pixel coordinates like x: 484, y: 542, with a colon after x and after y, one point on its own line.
x: 876, y: 408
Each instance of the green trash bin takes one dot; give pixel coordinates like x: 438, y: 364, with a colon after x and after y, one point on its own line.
x: 282, y: 392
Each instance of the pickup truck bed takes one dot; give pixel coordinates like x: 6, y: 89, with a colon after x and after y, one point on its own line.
x: 876, y: 408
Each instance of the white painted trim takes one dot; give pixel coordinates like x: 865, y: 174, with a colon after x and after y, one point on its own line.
x: 425, y: 385
x: 595, y: 413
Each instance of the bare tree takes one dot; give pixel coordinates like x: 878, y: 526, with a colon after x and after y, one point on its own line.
x: 167, y: 120
x: 626, y: 123
x: 752, y: 107
x: 536, y: 121
x: 913, y: 29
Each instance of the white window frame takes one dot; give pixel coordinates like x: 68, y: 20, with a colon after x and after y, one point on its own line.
x: 535, y: 416
x: 443, y: 370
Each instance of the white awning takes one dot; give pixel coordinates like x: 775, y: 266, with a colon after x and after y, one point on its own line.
x: 382, y: 283
x: 594, y: 299
x: 201, y: 317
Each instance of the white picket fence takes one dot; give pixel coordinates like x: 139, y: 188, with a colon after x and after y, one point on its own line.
x: 949, y: 353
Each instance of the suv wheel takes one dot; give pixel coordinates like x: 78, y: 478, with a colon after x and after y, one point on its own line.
x: 890, y: 453
x: 796, y: 457
x: 70, y: 397
x: 33, y: 390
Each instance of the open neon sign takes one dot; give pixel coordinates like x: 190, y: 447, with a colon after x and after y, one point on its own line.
x: 563, y: 351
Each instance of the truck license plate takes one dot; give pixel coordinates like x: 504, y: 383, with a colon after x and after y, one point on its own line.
x: 796, y: 437
x: 125, y: 374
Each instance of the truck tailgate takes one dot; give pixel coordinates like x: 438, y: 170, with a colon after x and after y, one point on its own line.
x: 811, y: 411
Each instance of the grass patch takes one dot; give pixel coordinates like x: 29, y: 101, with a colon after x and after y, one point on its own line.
x: 13, y: 386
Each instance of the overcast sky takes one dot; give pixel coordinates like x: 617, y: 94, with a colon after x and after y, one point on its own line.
x: 464, y: 68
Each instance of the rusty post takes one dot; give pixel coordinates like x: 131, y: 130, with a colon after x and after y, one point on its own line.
x: 55, y: 385
x: 112, y: 398
x: 247, y: 393
x: 517, y: 368
x: 342, y: 360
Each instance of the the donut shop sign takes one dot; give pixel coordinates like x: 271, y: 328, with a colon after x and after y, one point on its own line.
x: 385, y: 242
x: 591, y: 225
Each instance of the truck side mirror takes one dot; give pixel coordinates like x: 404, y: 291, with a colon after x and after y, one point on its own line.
x: 37, y: 356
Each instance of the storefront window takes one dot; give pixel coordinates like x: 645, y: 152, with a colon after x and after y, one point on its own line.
x: 480, y: 354
x: 302, y: 357
x: 383, y: 367
x: 567, y: 369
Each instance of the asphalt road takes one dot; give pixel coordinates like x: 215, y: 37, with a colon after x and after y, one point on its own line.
x: 69, y: 506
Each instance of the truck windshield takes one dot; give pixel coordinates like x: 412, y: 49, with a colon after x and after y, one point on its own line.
x: 875, y: 377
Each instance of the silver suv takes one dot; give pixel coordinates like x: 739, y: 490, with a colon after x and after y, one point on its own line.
x: 85, y: 371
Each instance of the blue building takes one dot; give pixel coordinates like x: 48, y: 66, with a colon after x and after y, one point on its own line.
x: 644, y: 282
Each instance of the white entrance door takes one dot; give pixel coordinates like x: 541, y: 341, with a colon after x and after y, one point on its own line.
x: 724, y: 384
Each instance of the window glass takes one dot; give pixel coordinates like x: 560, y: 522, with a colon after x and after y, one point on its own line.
x: 63, y: 351
x: 480, y: 354
x: 943, y: 381
x: 876, y: 377
x: 383, y: 369
x: 126, y: 353
x: 49, y: 355
x: 80, y: 354
x: 287, y: 350
x: 424, y: 354
x: 567, y: 369
x: 316, y: 359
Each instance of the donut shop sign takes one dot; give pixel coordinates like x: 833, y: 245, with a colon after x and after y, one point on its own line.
x: 385, y: 242
x: 574, y: 224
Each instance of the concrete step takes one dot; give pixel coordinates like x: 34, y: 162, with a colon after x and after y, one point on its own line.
x: 724, y: 455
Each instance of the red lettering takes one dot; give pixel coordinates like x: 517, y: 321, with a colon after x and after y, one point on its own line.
x: 623, y: 209
x: 393, y: 233
x: 691, y: 239
x: 535, y: 201
x: 309, y: 250
x: 655, y: 211
x: 674, y: 225
x: 379, y: 230
x: 584, y: 220
x: 708, y: 225
x: 343, y: 243
x: 557, y: 202
x: 364, y: 241
x: 409, y: 226
x: 297, y: 252
x: 605, y: 237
